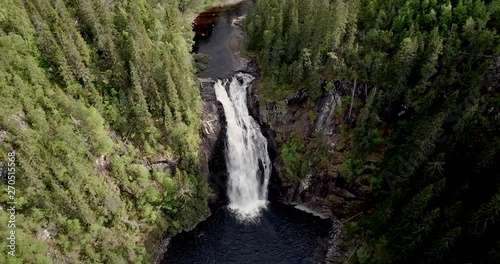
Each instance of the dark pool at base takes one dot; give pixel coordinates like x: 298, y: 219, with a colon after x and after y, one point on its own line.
x: 282, y: 235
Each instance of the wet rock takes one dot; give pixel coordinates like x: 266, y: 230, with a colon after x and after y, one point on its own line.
x: 342, y: 193
x: 238, y: 22
x: 334, y: 245
x: 162, y: 248
x: 327, y: 105
x: 305, y: 208
x: 212, y: 141
x: 299, y: 98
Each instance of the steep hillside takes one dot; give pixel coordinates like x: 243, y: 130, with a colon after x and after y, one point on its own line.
x: 100, y: 107
x: 411, y: 128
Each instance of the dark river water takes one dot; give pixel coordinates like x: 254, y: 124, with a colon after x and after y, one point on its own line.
x: 216, y: 38
x: 282, y: 235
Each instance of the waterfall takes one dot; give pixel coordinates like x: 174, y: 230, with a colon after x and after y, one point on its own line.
x: 248, y: 163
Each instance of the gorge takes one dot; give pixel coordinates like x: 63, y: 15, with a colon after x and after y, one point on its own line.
x: 249, y: 229
x: 258, y: 131
x: 343, y: 101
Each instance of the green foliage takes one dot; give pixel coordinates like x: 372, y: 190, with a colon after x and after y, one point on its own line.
x: 92, y: 92
x: 429, y: 58
x: 201, y: 60
x: 366, y: 135
x: 294, y: 160
x: 351, y: 168
x: 298, y: 41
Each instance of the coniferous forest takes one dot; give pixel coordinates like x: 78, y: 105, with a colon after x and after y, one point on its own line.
x: 92, y: 93
x: 437, y: 189
x: 98, y: 96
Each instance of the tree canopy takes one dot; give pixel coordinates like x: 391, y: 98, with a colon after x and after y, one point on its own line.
x: 437, y: 186
x: 93, y: 92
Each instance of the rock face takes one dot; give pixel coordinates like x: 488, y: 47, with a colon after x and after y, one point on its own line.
x: 230, y: 38
x: 324, y: 190
x: 212, y: 142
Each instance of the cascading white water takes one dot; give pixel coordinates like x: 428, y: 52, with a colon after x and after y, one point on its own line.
x: 247, y: 159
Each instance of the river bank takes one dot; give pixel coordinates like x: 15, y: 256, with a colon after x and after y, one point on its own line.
x: 324, y: 193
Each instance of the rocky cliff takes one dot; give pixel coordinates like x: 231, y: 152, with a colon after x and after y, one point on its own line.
x: 322, y: 124
x: 212, y: 141
x: 324, y: 188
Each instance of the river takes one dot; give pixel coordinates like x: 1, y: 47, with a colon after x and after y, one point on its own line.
x: 249, y: 229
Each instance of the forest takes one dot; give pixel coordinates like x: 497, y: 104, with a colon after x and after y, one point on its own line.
x: 83, y: 106
x: 437, y: 195
x: 100, y: 104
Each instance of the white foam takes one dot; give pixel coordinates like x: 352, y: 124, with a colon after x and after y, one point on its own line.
x: 246, y: 149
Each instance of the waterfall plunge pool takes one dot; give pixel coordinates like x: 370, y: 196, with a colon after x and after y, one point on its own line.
x: 272, y: 234
x: 280, y: 235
